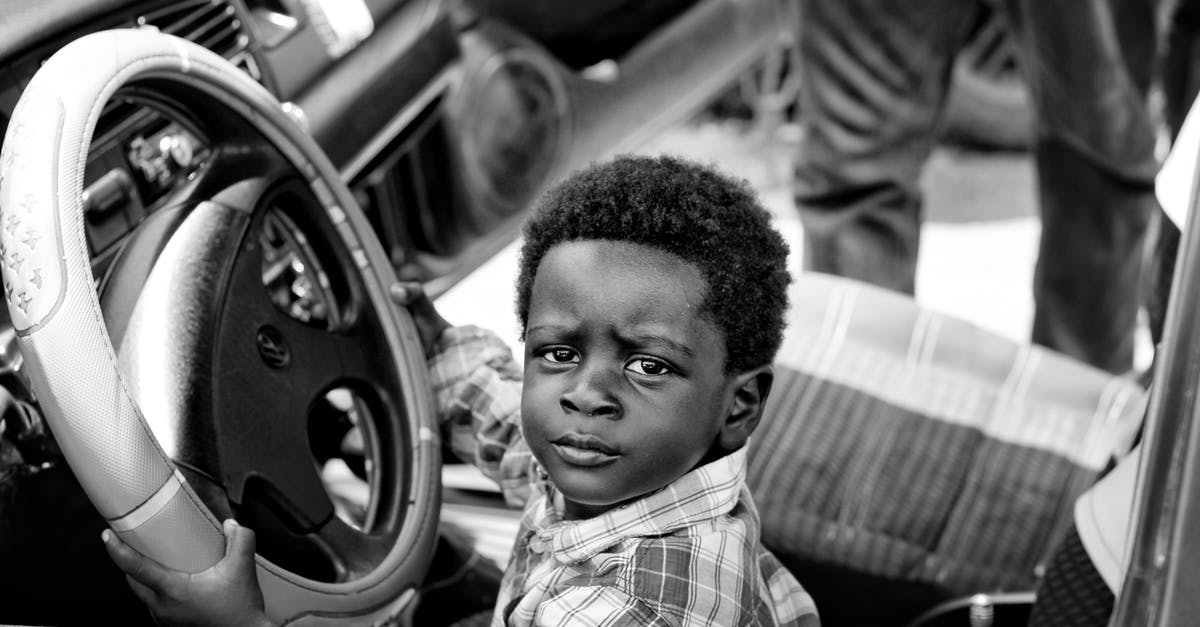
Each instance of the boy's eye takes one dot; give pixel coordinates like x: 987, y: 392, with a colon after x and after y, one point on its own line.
x: 651, y: 367
x: 560, y: 355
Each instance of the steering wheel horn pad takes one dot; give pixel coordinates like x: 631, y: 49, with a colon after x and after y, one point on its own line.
x: 76, y: 375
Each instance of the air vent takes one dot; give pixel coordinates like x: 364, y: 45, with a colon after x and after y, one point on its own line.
x: 408, y: 193
x: 213, y: 24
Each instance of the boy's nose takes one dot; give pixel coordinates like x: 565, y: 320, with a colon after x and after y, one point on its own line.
x: 590, y: 394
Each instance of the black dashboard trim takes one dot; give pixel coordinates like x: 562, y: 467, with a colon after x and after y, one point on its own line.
x: 405, y: 54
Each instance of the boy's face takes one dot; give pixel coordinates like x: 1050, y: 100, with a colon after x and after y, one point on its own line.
x: 625, y: 389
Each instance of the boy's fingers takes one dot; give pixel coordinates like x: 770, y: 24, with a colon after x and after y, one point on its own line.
x: 132, y: 563
x: 120, y: 554
x: 144, y: 593
x: 405, y: 292
x: 239, y: 541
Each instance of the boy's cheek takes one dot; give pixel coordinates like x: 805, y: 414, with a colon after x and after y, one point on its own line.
x: 531, y: 426
x: 533, y: 421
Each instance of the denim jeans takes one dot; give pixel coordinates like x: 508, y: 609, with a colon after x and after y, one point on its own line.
x: 876, y: 76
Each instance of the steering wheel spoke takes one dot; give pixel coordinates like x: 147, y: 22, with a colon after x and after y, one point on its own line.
x: 268, y: 483
x: 355, y: 552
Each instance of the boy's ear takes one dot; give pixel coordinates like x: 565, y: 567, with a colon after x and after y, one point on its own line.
x: 750, y: 389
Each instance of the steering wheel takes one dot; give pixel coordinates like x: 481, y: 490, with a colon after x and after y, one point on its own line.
x: 212, y: 405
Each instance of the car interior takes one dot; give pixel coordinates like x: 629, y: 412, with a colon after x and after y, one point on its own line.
x: 204, y: 203
x: 411, y: 137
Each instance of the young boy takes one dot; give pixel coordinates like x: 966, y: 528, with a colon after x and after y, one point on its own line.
x: 651, y: 294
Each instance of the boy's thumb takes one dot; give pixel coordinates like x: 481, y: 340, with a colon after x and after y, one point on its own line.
x: 405, y: 292
x: 239, y: 540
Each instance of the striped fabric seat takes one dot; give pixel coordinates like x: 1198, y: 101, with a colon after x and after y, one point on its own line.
x: 914, y: 447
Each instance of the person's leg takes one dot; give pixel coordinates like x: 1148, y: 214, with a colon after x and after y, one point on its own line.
x: 1181, y: 61
x: 874, y: 75
x: 1088, y: 64
x: 1180, y: 84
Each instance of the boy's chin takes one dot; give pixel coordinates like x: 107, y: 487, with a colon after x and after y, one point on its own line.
x: 588, y: 493
x: 590, y: 496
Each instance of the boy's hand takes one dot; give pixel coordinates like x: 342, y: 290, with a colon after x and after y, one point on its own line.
x: 430, y: 323
x: 226, y: 594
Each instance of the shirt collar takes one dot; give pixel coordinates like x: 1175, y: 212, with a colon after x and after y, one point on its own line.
x: 702, y: 494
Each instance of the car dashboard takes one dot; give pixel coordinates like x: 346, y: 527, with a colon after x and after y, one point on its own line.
x: 369, y: 85
x: 371, y: 93
x: 443, y: 117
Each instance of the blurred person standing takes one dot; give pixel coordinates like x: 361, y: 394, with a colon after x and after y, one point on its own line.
x: 1180, y: 76
x: 875, y: 76
x: 1181, y: 60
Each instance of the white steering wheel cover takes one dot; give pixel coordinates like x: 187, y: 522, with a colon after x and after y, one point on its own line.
x: 52, y: 300
x: 50, y: 292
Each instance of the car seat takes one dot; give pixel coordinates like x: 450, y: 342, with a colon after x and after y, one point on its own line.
x: 906, y: 457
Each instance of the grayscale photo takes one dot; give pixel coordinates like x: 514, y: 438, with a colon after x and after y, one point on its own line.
x: 609, y: 313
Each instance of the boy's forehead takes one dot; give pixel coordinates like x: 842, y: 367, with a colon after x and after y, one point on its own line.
x: 613, y: 271
x: 618, y: 260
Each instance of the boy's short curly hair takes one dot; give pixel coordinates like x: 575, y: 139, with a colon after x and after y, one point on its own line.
x: 687, y: 209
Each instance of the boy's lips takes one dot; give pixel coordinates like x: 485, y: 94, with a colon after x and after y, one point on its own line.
x: 584, y: 450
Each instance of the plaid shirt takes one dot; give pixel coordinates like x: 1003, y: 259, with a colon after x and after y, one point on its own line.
x: 688, y: 554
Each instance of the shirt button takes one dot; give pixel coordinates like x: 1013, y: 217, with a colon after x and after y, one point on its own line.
x: 537, y: 545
